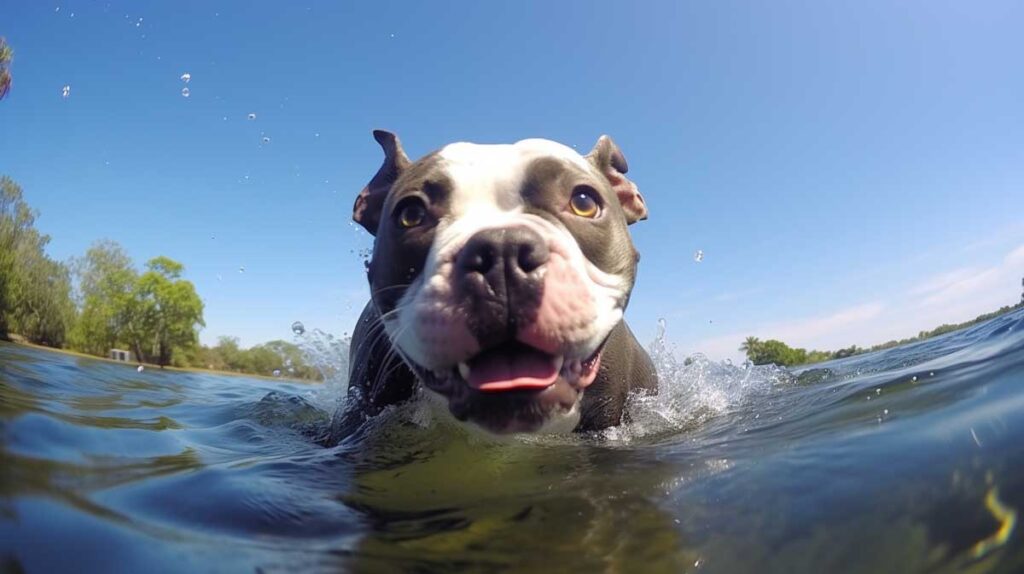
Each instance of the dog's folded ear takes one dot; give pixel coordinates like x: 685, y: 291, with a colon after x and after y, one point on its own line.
x: 366, y: 211
x: 608, y: 160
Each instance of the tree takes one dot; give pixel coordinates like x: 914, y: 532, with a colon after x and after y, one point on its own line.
x: 749, y: 344
x: 6, y: 58
x: 106, y: 288
x: 16, y: 221
x: 34, y: 290
x: 44, y: 311
x: 166, y: 310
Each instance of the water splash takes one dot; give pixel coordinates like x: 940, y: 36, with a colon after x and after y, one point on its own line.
x: 692, y: 391
x: 329, y: 356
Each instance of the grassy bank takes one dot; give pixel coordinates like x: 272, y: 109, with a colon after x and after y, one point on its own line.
x: 21, y: 342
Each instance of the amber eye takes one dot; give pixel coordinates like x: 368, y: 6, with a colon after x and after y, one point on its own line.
x: 583, y: 203
x: 411, y: 213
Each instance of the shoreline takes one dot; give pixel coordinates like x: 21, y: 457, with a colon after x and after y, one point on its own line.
x: 136, y: 364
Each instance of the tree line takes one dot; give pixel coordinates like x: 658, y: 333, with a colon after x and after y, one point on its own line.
x: 101, y: 301
x: 774, y: 351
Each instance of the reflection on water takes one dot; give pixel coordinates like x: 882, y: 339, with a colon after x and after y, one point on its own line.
x: 909, y: 460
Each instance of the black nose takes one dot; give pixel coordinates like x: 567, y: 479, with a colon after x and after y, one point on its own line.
x: 502, y: 260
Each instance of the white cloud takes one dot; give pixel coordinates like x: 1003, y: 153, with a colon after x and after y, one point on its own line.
x: 949, y: 297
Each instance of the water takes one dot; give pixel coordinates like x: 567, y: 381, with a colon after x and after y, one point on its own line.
x: 851, y: 466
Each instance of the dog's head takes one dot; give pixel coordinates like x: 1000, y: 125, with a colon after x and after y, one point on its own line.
x: 500, y: 270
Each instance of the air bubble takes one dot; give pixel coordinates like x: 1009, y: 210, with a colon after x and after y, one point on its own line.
x: 698, y: 255
x: 241, y: 269
x: 266, y: 139
x: 185, y: 92
x: 252, y: 116
x: 298, y: 328
x: 65, y: 91
x: 186, y: 77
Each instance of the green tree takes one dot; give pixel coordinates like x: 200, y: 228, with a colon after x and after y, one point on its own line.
x: 6, y: 58
x: 165, y: 311
x: 749, y: 344
x: 34, y: 290
x: 106, y: 292
x: 16, y: 221
x: 44, y: 311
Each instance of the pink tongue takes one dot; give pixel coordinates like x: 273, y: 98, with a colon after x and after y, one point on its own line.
x: 509, y: 368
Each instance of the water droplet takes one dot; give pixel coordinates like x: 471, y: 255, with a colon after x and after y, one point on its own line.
x: 186, y: 77
x: 266, y: 139
x: 277, y: 372
x: 140, y: 369
x: 219, y: 278
x: 316, y: 135
x: 241, y: 269
x: 885, y: 412
x: 57, y: 9
x: 698, y: 255
x: 65, y: 91
x: 252, y: 116
x: 298, y: 328
x: 931, y: 374
x: 185, y: 93
x: 913, y: 379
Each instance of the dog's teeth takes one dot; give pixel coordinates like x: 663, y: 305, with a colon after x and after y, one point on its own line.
x: 464, y: 371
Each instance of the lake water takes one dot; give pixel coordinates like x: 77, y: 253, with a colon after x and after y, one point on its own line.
x: 907, y: 460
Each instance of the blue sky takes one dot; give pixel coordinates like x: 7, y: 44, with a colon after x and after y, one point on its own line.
x: 853, y: 172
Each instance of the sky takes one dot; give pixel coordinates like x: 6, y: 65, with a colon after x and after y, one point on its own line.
x: 852, y: 172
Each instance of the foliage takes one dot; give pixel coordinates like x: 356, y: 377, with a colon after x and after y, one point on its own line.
x: 281, y: 356
x: 165, y: 312
x: 106, y: 284
x: 34, y: 290
x: 155, y: 314
x: 6, y: 58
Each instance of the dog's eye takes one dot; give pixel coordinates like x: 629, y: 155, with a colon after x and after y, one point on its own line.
x: 411, y: 213
x: 584, y: 203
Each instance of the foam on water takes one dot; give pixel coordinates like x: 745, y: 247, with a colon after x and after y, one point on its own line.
x: 691, y: 391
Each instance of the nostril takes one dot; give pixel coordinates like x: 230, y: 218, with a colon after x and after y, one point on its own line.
x: 481, y: 260
x: 531, y: 256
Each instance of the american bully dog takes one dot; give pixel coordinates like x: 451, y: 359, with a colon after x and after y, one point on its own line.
x: 498, y: 282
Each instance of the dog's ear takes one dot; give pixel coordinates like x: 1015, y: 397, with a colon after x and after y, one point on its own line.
x: 608, y: 160
x: 366, y: 211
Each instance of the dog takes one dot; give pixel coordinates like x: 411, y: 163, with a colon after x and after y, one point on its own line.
x: 498, y: 280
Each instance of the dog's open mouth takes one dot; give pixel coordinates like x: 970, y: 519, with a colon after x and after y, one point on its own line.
x: 515, y: 366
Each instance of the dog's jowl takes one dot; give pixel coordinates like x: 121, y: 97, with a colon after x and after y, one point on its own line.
x: 498, y: 281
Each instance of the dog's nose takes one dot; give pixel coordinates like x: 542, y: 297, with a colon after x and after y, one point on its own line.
x: 502, y: 258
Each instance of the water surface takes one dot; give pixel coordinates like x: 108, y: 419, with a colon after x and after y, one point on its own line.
x: 906, y: 460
